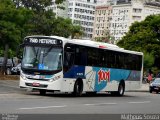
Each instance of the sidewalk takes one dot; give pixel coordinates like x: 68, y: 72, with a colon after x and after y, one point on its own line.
x: 144, y: 88
x: 9, y: 77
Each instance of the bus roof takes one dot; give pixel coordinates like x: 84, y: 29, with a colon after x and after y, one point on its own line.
x: 102, y: 45
x: 91, y: 43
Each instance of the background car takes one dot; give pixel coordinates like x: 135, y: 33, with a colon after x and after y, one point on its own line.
x: 16, y: 70
x: 11, y: 62
x: 155, y: 86
x: 158, y: 75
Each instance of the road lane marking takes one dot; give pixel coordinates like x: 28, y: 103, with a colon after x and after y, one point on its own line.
x: 140, y: 102
x: 45, y: 107
x: 100, y: 104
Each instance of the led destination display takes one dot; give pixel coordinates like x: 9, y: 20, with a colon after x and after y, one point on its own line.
x: 40, y: 40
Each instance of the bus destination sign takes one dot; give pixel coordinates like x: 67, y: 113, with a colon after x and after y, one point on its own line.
x: 40, y: 40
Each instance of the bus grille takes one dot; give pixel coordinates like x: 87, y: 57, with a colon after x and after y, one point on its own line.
x: 41, y: 85
x: 39, y: 79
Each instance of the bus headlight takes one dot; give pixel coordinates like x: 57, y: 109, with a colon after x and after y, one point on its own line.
x: 23, y: 76
x: 51, y: 80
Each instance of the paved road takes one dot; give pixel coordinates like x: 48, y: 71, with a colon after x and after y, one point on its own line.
x: 15, y: 100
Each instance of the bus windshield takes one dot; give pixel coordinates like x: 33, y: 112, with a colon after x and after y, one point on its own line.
x: 42, y: 58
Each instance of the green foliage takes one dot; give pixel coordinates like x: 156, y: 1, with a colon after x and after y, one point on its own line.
x: 155, y: 70
x: 1, y: 52
x: 148, y: 60
x: 105, y: 38
x: 59, y: 1
x: 12, y: 22
x: 9, y: 34
x: 65, y: 28
x: 20, y: 18
x: 62, y: 27
x: 35, y: 5
x: 59, y: 4
x: 76, y: 32
x: 44, y: 22
x: 144, y: 36
x: 98, y: 39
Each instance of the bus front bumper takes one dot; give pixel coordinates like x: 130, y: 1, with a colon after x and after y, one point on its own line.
x: 39, y: 84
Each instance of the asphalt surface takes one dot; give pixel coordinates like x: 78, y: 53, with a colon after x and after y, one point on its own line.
x: 16, y: 101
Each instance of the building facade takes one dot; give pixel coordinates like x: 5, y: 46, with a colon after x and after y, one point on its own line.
x: 81, y: 12
x: 126, y: 13
x: 60, y: 12
x: 96, y: 17
x: 102, y: 23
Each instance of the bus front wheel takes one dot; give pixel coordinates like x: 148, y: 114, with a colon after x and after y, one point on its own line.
x: 78, y: 88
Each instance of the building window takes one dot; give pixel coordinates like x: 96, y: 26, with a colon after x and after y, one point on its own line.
x: 136, y: 10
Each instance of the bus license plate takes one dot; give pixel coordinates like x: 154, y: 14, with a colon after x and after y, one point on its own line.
x: 35, y: 84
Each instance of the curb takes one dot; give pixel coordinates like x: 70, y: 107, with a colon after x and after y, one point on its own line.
x: 9, y: 77
x: 138, y: 91
x: 144, y: 88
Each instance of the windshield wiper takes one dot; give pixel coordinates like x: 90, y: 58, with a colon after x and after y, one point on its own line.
x: 50, y: 48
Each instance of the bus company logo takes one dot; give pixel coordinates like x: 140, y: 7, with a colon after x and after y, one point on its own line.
x: 103, y: 75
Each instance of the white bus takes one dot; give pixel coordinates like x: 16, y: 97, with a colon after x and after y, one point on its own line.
x: 52, y: 63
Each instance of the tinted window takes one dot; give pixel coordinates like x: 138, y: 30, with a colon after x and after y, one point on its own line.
x: 81, y: 55
x: 69, y: 56
x: 88, y: 56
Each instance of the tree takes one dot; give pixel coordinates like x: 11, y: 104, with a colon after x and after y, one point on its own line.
x: 35, y: 5
x: 59, y: 1
x: 76, y: 32
x: 10, y: 28
x: 144, y: 36
x: 148, y: 60
x: 62, y: 27
x: 7, y: 28
x: 20, y: 18
x: 107, y: 37
x: 44, y: 21
x: 65, y: 28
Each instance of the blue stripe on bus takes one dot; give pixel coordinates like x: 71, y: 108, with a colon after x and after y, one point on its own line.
x: 75, y: 72
x: 102, y: 75
x: 115, y: 74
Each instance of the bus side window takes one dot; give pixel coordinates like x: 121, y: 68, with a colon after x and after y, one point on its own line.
x: 80, y: 56
x: 93, y: 57
x: 68, y: 57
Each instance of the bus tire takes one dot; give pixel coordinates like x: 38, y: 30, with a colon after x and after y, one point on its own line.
x: 150, y: 90
x: 121, y: 89
x: 78, y: 88
x: 42, y: 92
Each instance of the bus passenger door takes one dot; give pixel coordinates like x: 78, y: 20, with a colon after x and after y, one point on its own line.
x: 68, y: 62
x: 69, y: 55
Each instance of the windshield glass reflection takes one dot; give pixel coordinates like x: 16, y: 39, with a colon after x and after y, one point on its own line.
x: 42, y: 58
